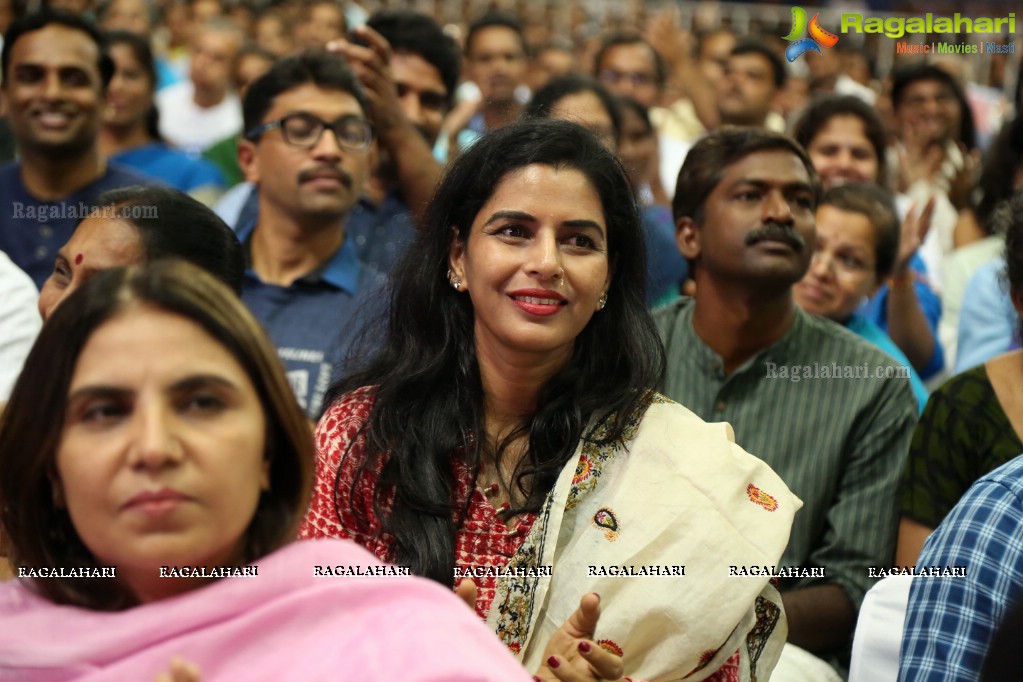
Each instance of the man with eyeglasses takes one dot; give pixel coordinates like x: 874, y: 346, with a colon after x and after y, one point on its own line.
x: 629, y: 66
x: 408, y: 68
x: 307, y: 148
x: 824, y: 408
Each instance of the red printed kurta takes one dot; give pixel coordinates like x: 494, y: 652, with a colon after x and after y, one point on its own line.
x: 483, y: 539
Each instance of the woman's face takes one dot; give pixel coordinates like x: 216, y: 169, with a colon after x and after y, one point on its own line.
x: 161, y: 459
x: 272, y: 35
x: 535, y: 264
x: 842, y: 153
x: 636, y: 146
x: 587, y: 109
x: 130, y: 93
x: 844, y: 266
x: 128, y: 15
x: 98, y: 244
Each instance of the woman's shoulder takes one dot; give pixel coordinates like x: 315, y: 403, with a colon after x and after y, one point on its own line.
x: 352, y: 407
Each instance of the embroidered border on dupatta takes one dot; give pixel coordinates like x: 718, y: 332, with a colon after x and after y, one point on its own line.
x: 515, y: 597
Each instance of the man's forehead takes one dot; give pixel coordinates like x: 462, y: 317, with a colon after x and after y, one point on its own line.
x: 631, y: 52
x: 327, y: 103
x: 412, y: 71
x: 768, y: 166
x: 750, y: 61
x: 218, y: 37
x: 56, y: 44
x: 495, y: 38
x: 927, y: 85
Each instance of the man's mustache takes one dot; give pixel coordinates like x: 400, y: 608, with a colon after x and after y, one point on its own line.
x: 776, y: 232
x: 326, y: 171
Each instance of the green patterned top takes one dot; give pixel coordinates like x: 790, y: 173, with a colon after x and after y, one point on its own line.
x: 963, y: 434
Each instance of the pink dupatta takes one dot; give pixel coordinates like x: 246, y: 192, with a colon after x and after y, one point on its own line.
x: 283, y: 624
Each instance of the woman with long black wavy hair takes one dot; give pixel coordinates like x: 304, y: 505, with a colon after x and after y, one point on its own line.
x: 509, y: 431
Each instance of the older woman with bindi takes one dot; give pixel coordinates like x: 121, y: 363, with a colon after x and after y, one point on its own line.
x: 154, y: 466
x: 136, y: 225
x: 509, y: 432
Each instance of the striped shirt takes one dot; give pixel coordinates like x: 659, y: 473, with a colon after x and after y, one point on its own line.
x: 951, y: 621
x: 839, y: 443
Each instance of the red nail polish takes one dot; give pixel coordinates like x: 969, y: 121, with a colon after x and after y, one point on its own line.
x: 584, y: 647
x: 536, y: 679
x: 553, y: 662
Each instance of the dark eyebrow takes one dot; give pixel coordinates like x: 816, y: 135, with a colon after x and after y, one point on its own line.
x: 510, y: 215
x: 580, y: 223
x: 97, y: 391
x: 309, y: 114
x: 182, y: 386
x: 201, y: 381
x: 583, y: 223
x: 764, y: 184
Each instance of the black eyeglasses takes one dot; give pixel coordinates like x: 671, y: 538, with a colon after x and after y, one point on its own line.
x: 612, y: 77
x: 304, y: 131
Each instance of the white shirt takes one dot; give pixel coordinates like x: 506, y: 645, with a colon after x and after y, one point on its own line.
x: 186, y: 125
x: 19, y: 322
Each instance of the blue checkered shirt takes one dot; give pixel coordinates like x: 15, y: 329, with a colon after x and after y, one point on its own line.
x: 951, y: 621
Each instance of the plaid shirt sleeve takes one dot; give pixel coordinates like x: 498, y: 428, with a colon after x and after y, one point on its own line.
x: 951, y: 620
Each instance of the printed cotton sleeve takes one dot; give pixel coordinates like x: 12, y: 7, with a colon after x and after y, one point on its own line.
x: 340, y: 450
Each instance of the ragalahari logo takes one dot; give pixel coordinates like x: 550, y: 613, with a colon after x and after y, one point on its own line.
x: 818, y: 36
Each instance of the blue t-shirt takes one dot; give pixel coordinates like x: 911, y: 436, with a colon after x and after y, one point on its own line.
x: 173, y: 166
x: 866, y: 329
x: 313, y: 321
x: 988, y: 325
x: 32, y: 231
x: 876, y: 310
x: 666, y: 268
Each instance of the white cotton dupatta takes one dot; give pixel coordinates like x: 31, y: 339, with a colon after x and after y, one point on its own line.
x: 676, y: 491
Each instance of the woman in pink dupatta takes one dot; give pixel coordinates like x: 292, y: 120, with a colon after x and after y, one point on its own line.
x: 152, y: 446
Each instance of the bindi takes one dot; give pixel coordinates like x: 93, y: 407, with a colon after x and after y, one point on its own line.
x: 78, y: 259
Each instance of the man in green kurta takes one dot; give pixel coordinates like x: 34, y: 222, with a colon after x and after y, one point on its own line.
x: 831, y: 413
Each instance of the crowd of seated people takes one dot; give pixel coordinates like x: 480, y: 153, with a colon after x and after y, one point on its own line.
x: 666, y: 353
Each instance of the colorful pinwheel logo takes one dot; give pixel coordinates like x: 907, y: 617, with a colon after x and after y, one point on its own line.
x: 818, y: 36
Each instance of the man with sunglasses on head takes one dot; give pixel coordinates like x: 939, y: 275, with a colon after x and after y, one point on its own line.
x: 307, y: 148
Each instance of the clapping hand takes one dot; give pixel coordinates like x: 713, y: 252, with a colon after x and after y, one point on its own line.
x: 572, y: 655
